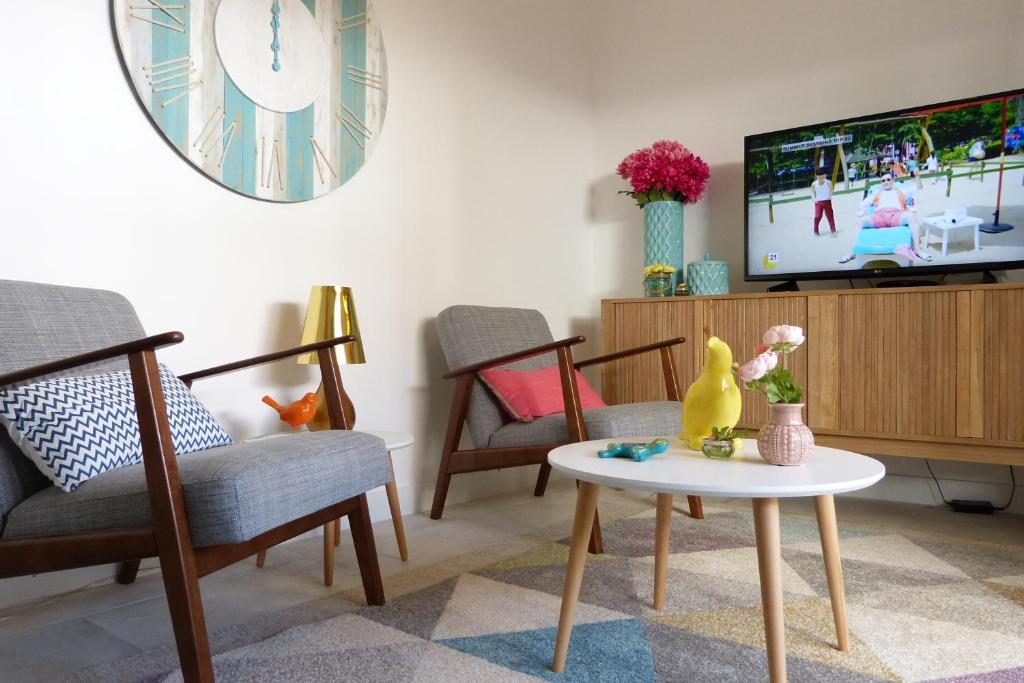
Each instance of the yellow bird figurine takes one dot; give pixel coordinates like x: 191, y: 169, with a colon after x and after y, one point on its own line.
x: 713, y: 400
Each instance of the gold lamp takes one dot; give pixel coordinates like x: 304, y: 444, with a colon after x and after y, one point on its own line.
x: 332, y: 313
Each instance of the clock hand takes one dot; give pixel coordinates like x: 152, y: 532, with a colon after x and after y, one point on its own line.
x: 275, y: 23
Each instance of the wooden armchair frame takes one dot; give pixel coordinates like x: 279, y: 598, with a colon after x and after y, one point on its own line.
x: 168, y: 538
x: 454, y: 461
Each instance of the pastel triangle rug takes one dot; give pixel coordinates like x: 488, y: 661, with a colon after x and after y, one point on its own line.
x: 921, y: 608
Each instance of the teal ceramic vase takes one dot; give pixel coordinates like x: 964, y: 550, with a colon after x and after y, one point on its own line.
x: 663, y: 236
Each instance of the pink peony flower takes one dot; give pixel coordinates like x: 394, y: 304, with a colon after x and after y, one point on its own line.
x: 758, y: 367
x: 784, y: 334
x: 668, y: 166
x: 761, y: 348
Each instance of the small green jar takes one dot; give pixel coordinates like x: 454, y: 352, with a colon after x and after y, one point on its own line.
x: 718, y: 450
x: 658, y: 284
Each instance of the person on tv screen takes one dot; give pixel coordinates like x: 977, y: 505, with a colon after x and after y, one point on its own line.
x: 933, y: 166
x: 821, y: 193
x: 891, y: 207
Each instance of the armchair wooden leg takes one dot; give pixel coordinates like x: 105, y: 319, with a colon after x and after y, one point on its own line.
x: 329, y: 552
x: 127, y: 571
x: 337, y: 532
x: 170, y: 525
x: 366, y: 552
x: 441, y: 489
x: 696, y: 507
x: 186, y: 607
x: 261, y: 558
x: 542, y: 479
x: 460, y: 406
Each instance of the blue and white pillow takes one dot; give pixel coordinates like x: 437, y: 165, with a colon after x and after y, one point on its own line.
x: 74, y: 428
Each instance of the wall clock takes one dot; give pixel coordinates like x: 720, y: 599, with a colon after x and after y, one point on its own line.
x: 277, y: 99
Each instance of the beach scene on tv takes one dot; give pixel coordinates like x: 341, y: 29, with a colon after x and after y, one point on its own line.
x: 940, y: 185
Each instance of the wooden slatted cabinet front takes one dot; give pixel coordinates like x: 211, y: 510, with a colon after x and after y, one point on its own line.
x: 929, y: 372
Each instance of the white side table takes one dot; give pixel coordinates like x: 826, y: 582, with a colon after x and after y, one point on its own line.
x: 393, y: 441
x: 945, y: 227
x: 678, y: 471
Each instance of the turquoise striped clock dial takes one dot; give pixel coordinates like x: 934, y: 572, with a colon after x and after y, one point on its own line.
x: 284, y: 104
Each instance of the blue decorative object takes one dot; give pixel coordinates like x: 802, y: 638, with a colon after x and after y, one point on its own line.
x: 74, y: 428
x: 663, y: 236
x: 637, y: 451
x: 708, y: 277
x: 275, y: 23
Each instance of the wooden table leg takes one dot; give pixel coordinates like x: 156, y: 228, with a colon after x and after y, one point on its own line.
x: 769, y: 564
x: 582, y: 525
x: 396, y: 511
x: 663, y: 530
x: 829, y: 533
x: 329, y: 551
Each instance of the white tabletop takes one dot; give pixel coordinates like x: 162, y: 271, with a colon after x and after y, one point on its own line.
x: 392, y: 440
x: 941, y: 223
x: 745, y: 474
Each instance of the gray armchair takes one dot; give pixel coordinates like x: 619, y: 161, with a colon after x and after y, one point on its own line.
x: 198, y: 513
x: 475, y: 338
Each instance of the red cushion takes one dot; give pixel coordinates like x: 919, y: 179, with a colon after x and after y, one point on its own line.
x: 526, y: 394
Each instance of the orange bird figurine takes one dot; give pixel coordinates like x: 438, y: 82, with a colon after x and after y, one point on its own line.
x: 297, y: 413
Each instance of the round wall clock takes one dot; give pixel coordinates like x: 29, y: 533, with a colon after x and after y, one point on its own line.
x: 277, y: 99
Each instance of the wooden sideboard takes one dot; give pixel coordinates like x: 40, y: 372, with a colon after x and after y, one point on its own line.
x: 934, y: 372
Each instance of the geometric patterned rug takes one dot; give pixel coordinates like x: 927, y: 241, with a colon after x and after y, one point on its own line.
x: 920, y: 607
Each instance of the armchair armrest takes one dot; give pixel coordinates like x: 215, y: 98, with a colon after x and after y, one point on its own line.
x: 517, y: 355
x: 630, y: 352
x: 145, y: 344
x: 266, y: 358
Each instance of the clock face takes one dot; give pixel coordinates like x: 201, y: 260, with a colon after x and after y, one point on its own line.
x: 277, y: 99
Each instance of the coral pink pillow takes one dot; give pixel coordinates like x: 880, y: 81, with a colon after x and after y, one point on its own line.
x: 526, y: 394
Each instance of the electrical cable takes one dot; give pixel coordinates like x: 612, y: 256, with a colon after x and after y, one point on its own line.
x: 936, y: 480
x: 1013, y: 487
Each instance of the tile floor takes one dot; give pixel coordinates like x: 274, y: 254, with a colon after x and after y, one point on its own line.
x: 105, y: 622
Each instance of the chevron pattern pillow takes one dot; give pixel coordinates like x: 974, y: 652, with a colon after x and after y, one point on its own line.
x: 74, y: 428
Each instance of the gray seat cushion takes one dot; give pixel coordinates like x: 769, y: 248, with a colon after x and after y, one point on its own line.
x: 232, y: 493
x: 658, y: 418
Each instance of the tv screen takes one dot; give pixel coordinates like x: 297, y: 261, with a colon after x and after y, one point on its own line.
x: 926, y: 190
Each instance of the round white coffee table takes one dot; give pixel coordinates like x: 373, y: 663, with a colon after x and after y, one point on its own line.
x: 681, y: 471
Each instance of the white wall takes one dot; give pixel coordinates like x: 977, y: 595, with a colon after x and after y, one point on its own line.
x: 708, y: 73
x: 473, y: 195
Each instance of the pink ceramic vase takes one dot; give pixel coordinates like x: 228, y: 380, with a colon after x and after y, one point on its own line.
x: 785, y: 440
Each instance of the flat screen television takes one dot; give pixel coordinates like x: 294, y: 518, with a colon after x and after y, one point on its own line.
x: 921, y: 191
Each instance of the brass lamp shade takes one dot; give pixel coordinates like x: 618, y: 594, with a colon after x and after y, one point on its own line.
x: 332, y: 313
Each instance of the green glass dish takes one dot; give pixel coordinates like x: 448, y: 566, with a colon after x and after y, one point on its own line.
x: 718, y: 450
